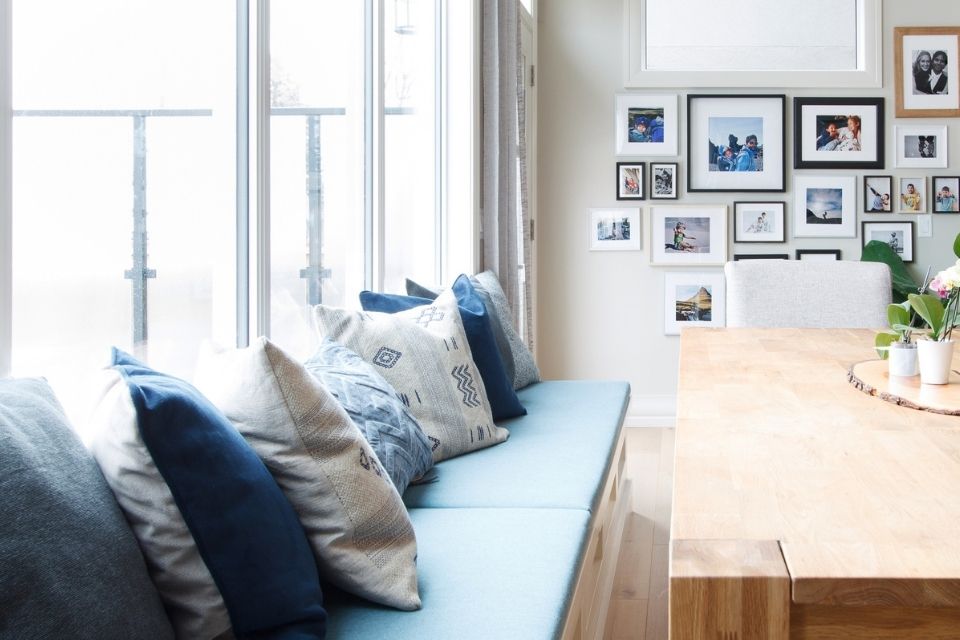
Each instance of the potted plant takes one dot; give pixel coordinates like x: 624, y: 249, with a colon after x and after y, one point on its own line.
x: 940, y: 310
x: 896, y: 344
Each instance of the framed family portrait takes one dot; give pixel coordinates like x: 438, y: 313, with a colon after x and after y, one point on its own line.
x: 878, y: 194
x: 912, y: 196
x: 688, y: 234
x: 818, y: 255
x: 759, y: 222
x: 945, y: 189
x: 614, y: 229
x: 838, y: 133
x: 630, y: 181
x: 693, y: 300
x: 665, y: 180
x: 922, y: 146
x: 898, y: 235
x: 825, y: 206
x: 925, y: 69
x: 646, y: 125
x: 735, y: 142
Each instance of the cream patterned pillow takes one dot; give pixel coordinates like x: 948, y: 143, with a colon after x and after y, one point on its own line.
x: 354, y: 518
x: 424, y: 354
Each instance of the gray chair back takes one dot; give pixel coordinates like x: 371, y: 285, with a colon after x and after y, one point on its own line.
x: 800, y: 293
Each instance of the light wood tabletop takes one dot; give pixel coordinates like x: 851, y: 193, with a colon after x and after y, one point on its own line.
x: 789, y: 482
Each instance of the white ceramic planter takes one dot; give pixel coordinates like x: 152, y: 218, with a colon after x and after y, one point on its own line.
x: 935, y: 359
x: 902, y: 359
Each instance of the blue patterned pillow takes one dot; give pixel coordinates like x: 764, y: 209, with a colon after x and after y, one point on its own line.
x: 386, y: 423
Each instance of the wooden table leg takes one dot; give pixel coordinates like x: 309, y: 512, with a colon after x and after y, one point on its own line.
x: 728, y: 590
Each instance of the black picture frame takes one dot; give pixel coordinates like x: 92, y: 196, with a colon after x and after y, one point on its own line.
x: 874, y: 188
x: 905, y: 244
x: 818, y: 252
x: 657, y: 190
x: 865, y: 150
x: 951, y: 182
x: 638, y: 172
x: 719, y: 121
x: 761, y: 256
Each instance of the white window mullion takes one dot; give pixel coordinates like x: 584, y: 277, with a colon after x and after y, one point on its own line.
x: 6, y: 184
x: 260, y: 159
x: 376, y: 131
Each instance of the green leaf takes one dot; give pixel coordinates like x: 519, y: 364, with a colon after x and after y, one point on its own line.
x: 956, y: 246
x: 902, y: 282
x: 898, y: 314
x: 882, y: 341
x: 930, y: 309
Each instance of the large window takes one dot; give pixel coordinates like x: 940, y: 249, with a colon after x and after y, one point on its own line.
x: 125, y: 209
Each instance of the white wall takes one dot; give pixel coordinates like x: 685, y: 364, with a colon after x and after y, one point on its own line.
x: 601, y: 313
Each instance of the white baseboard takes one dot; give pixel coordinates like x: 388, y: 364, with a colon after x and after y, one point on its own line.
x: 651, y: 411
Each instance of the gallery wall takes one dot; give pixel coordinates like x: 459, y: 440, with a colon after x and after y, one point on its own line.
x: 600, y: 313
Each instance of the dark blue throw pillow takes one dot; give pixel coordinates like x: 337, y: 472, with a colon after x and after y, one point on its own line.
x: 483, y: 345
x: 245, y: 529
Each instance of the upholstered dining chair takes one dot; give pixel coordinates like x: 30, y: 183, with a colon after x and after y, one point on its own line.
x: 800, y: 293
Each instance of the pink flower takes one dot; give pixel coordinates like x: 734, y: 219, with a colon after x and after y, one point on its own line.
x: 938, y: 287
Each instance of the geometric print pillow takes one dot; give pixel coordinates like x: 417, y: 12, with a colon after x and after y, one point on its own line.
x: 424, y: 354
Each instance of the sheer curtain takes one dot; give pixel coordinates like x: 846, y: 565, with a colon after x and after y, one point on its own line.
x: 505, y: 216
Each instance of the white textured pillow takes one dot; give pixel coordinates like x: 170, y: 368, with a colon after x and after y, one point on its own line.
x: 189, y: 594
x: 424, y: 354
x: 355, y: 520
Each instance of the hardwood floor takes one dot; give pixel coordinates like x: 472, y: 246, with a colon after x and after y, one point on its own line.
x: 638, y: 605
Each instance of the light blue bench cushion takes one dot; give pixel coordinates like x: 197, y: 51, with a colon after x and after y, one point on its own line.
x: 504, y: 574
x: 557, y: 455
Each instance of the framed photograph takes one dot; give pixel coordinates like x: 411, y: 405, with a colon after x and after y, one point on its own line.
x: 761, y: 256
x: 825, y: 206
x: 630, y: 180
x: 759, y: 222
x: 945, y: 189
x: 646, y: 125
x: 665, y: 180
x: 921, y: 146
x: 614, y: 229
x: 693, y: 300
x: 912, y: 197
x: 735, y: 142
x: 878, y: 194
x: 838, y: 133
x: 926, y: 82
x: 821, y: 255
x: 688, y: 234
x: 899, y: 235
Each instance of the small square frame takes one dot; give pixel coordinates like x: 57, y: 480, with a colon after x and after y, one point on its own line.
x: 607, y: 227
x: 950, y: 203
x: 815, y: 206
x: 631, y: 180
x: 913, y: 142
x: 683, y: 302
x: 874, y: 188
x: 905, y: 203
x: 902, y: 244
x: 664, y: 180
x: 705, y: 234
x: 767, y: 226
x: 630, y: 107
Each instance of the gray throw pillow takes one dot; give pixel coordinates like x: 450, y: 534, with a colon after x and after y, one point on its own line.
x: 69, y: 563
x: 373, y: 405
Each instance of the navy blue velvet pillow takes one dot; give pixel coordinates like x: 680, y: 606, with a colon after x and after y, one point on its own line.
x: 245, y: 529
x: 483, y: 345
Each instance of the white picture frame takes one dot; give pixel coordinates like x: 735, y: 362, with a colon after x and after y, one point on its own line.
x: 759, y: 221
x: 614, y: 229
x: 914, y: 201
x: 631, y: 107
x: 685, y: 296
x: 701, y: 229
x: 825, y: 206
x: 921, y: 146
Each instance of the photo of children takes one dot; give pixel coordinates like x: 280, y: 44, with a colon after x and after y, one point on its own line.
x: 645, y: 124
x: 735, y: 144
x: 686, y: 235
x: 876, y: 194
x: 912, y: 195
x: 838, y: 133
x: 945, y: 195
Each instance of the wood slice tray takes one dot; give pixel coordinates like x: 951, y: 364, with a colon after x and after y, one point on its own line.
x: 873, y: 377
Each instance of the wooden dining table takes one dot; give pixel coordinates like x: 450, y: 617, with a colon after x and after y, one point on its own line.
x: 805, y: 506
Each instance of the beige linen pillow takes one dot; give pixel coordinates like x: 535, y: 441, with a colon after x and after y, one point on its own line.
x: 424, y: 354
x: 354, y: 518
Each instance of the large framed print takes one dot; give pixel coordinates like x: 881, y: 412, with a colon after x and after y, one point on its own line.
x: 897, y: 235
x: 926, y: 81
x: 647, y: 124
x: 614, y: 229
x: 825, y: 206
x: 921, y: 146
x: 688, y: 234
x: 838, y: 133
x: 693, y: 300
x: 735, y: 142
x: 759, y: 222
